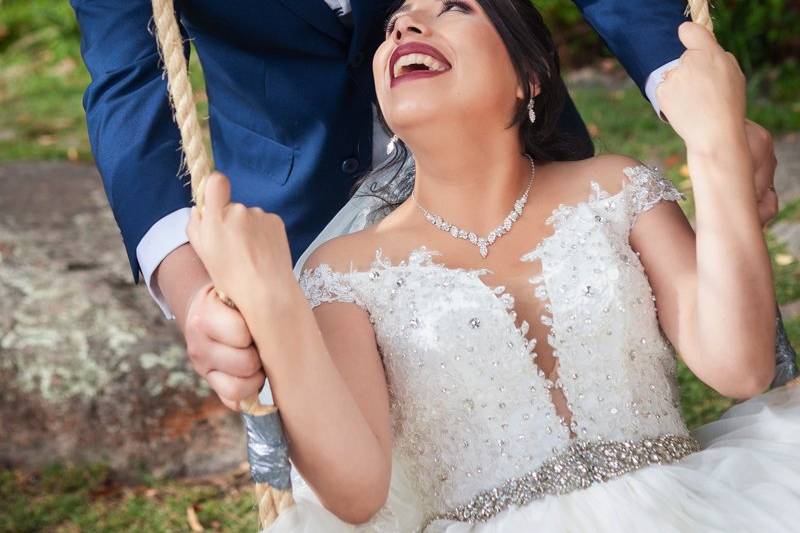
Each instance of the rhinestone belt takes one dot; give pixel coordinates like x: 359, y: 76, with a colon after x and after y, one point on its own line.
x: 581, y: 465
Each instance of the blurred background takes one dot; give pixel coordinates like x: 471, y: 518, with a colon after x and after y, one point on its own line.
x: 103, y: 424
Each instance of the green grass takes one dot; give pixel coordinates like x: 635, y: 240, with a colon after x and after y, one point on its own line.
x: 42, y: 80
x: 67, y: 499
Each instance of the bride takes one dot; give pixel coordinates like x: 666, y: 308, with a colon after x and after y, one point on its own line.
x: 496, y: 353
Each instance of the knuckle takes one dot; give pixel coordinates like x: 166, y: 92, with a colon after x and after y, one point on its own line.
x: 224, y: 385
x: 195, y: 324
x: 237, y: 209
x: 276, y: 220
x: 253, y: 364
x: 194, y: 351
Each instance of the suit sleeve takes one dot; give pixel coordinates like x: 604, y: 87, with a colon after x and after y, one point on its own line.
x: 135, y: 142
x: 642, y: 35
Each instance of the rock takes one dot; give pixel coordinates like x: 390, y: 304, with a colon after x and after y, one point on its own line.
x: 790, y: 310
x: 89, y: 368
x: 789, y: 234
x: 787, y: 175
x: 787, y: 186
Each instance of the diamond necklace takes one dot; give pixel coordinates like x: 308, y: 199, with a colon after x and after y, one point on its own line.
x: 482, y: 243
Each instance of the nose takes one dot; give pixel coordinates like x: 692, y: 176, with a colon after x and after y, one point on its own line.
x: 406, y: 24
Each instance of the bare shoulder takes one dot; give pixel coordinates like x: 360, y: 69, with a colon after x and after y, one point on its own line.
x: 572, y: 179
x: 608, y: 170
x: 352, y: 251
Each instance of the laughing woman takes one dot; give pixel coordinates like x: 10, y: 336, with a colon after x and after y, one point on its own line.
x: 498, y: 353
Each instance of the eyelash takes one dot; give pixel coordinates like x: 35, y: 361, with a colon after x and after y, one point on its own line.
x: 446, y: 5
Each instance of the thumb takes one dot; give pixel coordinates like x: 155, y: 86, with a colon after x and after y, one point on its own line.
x: 694, y: 36
x: 217, y: 191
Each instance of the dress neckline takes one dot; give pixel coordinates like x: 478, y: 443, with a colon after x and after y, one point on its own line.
x: 422, y: 257
x: 559, y: 216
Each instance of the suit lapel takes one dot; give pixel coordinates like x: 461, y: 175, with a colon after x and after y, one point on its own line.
x: 318, y: 14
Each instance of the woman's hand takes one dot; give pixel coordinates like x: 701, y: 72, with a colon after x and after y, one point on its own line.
x: 245, y: 250
x: 762, y: 152
x: 704, y: 97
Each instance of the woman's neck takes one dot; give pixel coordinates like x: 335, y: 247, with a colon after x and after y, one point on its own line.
x: 472, y: 183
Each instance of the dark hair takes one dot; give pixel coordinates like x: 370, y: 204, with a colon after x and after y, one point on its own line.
x: 534, y: 57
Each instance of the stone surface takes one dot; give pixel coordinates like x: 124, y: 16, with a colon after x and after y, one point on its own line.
x: 787, y: 175
x: 89, y: 368
x: 787, y: 185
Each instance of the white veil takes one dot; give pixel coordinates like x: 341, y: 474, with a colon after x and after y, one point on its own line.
x: 361, y: 210
x: 358, y: 213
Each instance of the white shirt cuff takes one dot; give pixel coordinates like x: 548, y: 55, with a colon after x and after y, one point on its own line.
x: 160, y: 240
x: 654, y: 80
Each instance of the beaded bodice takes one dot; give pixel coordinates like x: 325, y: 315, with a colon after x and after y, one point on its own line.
x: 470, y: 407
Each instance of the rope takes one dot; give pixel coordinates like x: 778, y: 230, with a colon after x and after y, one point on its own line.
x: 271, y: 501
x: 180, y: 91
x: 700, y: 13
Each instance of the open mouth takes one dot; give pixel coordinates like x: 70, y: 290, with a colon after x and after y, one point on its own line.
x: 416, y: 60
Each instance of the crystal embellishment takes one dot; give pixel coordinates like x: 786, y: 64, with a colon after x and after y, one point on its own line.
x: 581, y: 465
x: 482, y: 243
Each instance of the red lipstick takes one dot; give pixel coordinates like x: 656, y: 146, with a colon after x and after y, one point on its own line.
x: 416, y: 48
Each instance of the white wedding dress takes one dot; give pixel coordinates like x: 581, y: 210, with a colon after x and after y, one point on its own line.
x: 478, y: 442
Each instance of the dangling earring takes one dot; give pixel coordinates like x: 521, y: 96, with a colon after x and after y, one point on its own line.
x: 392, y: 146
x: 531, y: 112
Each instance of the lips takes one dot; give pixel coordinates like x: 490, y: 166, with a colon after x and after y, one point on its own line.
x: 416, y: 60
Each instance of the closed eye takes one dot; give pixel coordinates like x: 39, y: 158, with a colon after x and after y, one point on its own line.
x: 447, y: 5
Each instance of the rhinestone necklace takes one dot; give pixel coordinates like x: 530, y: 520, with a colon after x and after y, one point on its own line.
x: 482, y: 243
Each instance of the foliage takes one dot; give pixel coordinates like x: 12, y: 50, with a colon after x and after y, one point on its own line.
x: 763, y: 36
x: 758, y: 33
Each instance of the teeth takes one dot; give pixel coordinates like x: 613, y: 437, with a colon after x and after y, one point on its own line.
x: 418, y: 59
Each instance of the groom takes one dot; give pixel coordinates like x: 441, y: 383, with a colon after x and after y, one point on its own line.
x: 292, y: 122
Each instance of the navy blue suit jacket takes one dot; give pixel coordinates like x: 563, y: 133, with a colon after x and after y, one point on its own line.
x: 290, y: 91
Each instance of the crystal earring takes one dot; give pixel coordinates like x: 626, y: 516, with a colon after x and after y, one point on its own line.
x: 392, y: 146
x: 531, y: 112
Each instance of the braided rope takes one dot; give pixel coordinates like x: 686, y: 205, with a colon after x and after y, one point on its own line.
x: 700, y: 13
x: 180, y: 91
x: 271, y: 501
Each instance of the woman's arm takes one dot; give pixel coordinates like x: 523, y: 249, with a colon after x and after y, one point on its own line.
x: 328, y: 382
x: 714, y: 290
x: 323, y: 366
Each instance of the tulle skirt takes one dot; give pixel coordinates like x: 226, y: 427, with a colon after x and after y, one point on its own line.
x: 746, y: 478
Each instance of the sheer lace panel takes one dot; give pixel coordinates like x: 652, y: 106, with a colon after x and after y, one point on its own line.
x: 646, y: 188
x: 322, y: 284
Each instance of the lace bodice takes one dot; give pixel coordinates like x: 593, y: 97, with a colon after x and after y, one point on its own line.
x: 470, y: 406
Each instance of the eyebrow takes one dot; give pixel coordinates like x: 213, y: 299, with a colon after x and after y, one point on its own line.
x: 402, y: 9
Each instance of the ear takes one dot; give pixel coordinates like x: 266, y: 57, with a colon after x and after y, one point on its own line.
x: 535, y: 89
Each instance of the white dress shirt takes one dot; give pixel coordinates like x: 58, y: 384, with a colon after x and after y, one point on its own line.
x: 170, y: 231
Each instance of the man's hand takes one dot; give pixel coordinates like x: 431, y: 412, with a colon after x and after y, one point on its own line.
x: 762, y: 152
x: 221, y: 349
x: 217, y: 339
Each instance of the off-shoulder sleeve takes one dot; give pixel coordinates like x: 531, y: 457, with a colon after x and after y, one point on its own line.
x: 647, y: 187
x: 322, y: 284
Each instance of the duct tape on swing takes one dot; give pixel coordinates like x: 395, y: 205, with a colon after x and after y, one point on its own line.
x: 268, y: 450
